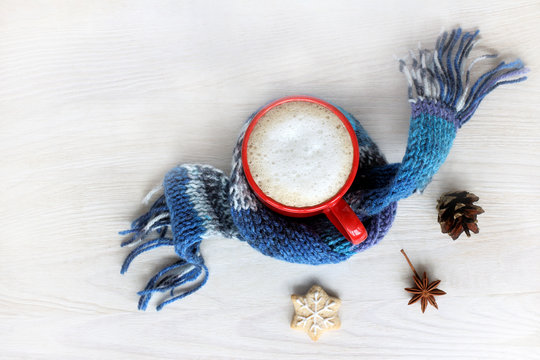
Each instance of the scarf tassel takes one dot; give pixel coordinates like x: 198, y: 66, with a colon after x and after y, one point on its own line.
x: 443, y: 74
x: 191, y: 272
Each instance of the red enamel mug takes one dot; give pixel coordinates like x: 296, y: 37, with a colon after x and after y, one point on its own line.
x: 335, y: 208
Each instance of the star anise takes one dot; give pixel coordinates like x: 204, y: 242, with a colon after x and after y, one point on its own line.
x: 424, y: 290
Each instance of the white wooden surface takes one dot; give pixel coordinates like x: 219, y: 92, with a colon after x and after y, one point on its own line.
x: 98, y: 99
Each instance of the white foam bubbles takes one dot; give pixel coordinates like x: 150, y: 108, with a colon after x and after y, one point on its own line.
x: 300, y: 154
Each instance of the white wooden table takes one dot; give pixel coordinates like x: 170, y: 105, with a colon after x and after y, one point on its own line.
x: 98, y: 99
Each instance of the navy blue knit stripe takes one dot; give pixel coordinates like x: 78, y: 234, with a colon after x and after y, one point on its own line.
x: 187, y: 226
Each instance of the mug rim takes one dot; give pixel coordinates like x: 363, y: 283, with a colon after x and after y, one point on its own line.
x: 308, y: 210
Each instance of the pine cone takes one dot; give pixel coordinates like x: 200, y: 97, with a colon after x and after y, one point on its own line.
x: 457, y: 213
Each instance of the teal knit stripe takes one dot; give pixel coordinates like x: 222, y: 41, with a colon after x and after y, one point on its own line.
x: 428, y: 145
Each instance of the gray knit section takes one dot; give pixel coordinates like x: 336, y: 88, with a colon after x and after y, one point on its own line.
x: 208, y: 190
x: 370, y: 156
x: 241, y: 196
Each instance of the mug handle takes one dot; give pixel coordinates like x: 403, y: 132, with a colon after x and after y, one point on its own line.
x: 346, y: 221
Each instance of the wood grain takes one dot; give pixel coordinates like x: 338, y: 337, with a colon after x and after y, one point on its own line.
x: 99, y: 98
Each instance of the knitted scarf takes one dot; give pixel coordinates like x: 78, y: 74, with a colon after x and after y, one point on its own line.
x: 197, y: 201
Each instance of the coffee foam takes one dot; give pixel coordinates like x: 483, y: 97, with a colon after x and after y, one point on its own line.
x: 300, y: 154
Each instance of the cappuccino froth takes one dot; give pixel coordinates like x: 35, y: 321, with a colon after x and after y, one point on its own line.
x: 300, y: 154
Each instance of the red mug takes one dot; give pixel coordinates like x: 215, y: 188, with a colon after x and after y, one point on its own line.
x: 336, y: 209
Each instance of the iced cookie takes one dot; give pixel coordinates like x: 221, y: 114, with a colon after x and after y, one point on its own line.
x: 315, y: 312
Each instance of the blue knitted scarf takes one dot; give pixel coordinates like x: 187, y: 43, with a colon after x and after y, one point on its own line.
x: 197, y: 201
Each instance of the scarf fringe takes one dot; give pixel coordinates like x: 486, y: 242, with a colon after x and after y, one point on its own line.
x: 183, y: 272
x: 442, y: 74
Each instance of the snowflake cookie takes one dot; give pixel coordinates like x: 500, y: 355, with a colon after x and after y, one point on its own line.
x: 315, y: 312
